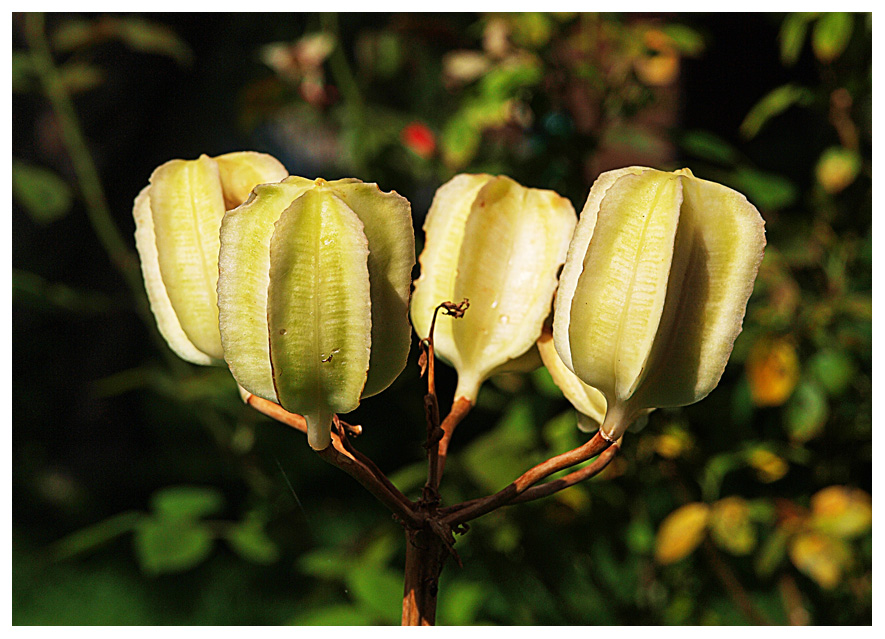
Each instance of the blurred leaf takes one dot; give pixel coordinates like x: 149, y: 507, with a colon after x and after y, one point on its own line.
x: 710, y: 147
x: 792, y: 36
x: 731, y: 527
x: 165, y: 545
x: 831, y: 35
x: 251, y: 542
x: 842, y: 512
x: 43, y: 194
x: 465, y: 66
x: 187, y: 502
x: 150, y: 37
x: 460, y: 601
x: 380, y: 53
x: 772, y: 370
x: 715, y: 471
x: 773, y: 104
x: 378, y: 590
x: 81, y: 76
x: 806, y: 413
x: 561, y: 433
x: 834, y: 369
x: 31, y: 288
x: 460, y: 140
x: 325, y: 563
x: 640, y: 536
x: 768, y: 466
x: 837, y: 169
x: 822, y: 558
x: 765, y: 190
x: 544, y: 384
x: 23, y: 74
x: 772, y: 553
x: 681, y: 532
x: 336, y: 615
x: 500, y: 456
x: 531, y: 29
x: 74, y: 34
x: 688, y: 41
x: 90, y: 538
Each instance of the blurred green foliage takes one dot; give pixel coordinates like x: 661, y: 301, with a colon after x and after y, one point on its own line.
x: 129, y: 466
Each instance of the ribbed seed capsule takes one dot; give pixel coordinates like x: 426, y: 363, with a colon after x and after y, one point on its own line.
x: 498, y: 244
x: 177, y: 220
x: 654, y: 290
x: 312, y: 275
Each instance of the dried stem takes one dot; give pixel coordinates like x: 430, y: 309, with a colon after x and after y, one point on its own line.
x: 459, y: 411
x: 479, y: 507
x: 588, y: 471
x: 341, y: 453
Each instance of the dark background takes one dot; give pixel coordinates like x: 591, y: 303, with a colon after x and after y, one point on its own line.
x: 104, y: 418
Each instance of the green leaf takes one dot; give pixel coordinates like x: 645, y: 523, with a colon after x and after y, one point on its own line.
x: 171, y: 545
x: 460, y: 601
x: 378, y: 590
x: 831, y: 35
x: 772, y: 553
x: 187, y: 502
x: 23, y: 74
x: 149, y: 37
x: 807, y: 412
x: 90, y: 538
x: 792, y: 36
x: 32, y: 289
x: 80, y: 76
x: 773, y: 104
x: 500, y: 456
x: 43, y: 194
x: 688, y: 41
x: 708, y: 146
x: 460, y: 141
x: 74, y: 34
x: 325, y: 563
x: 249, y: 540
x: 339, y: 615
x: 834, y: 369
x: 544, y: 384
x: 768, y: 191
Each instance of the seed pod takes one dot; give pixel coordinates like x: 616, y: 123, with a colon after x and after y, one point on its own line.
x: 499, y: 245
x: 313, y: 274
x: 655, y: 287
x: 588, y: 401
x: 177, y: 219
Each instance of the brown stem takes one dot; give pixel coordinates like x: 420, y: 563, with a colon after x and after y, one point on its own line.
x: 459, y: 411
x: 341, y: 454
x: 277, y: 412
x: 337, y: 455
x: 588, y: 471
x: 733, y: 586
x: 425, y: 555
x: 474, y: 509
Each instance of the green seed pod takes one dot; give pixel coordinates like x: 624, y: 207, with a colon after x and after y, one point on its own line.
x: 312, y: 275
x: 499, y: 245
x: 177, y: 220
x: 655, y: 287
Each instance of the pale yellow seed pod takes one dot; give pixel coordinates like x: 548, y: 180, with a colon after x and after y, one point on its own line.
x: 654, y: 289
x: 177, y: 221
x: 313, y: 295
x: 588, y: 401
x: 499, y: 245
